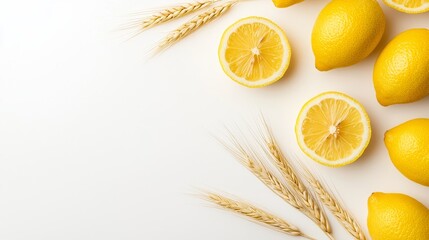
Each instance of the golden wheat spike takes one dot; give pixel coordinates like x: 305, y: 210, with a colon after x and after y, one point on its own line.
x: 194, y: 24
x: 311, y: 206
x: 335, y: 206
x: 255, y: 214
x: 171, y: 13
x: 252, y: 161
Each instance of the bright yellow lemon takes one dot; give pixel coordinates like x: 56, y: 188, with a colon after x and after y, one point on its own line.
x: 346, y: 32
x: 394, y: 216
x: 333, y: 129
x: 408, y: 147
x: 254, y: 52
x: 401, y: 72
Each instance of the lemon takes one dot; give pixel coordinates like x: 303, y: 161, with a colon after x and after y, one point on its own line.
x: 408, y: 146
x: 254, y: 52
x: 394, y: 216
x: 409, y: 6
x: 333, y: 129
x: 346, y: 32
x: 285, y: 3
x: 401, y: 72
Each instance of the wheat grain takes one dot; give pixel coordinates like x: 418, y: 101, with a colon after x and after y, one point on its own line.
x: 195, y: 23
x: 311, y: 206
x: 255, y: 214
x: 255, y: 164
x: 335, y: 206
x: 142, y: 21
x: 250, y: 159
x: 171, y: 13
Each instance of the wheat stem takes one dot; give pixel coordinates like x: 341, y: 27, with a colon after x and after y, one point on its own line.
x: 175, y: 12
x: 329, y: 200
x: 256, y: 214
x: 272, y: 182
x: 251, y: 161
x: 195, y: 23
x: 311, y: 206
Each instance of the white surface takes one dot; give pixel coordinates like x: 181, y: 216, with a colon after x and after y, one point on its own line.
x: 96, y: 142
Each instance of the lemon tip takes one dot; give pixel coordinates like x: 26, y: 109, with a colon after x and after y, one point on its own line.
x: 322, y: 67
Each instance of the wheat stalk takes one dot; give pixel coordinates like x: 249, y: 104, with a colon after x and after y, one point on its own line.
x: 329, y: 200
x: 171, y: 13
x: 311, y: 205
x: 252, y: 161
x: 195, y: 23
x: 256, y: 214
x: 249, y: 159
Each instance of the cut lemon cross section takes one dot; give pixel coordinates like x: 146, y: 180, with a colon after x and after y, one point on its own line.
x: 409, y: 6
x: 254, y: 52
x: 333, y: 129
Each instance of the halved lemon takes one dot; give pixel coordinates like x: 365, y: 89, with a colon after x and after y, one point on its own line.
x: 333, y: 129
x: 409, y: 6
x: 254, y: 52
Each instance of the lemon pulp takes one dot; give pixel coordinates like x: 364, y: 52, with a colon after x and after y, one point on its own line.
x: 333, y: 129
x: 254, y: 52
x: 409, y: 6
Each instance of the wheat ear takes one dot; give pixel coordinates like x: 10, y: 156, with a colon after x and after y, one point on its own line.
x: 335, y: 206
x: 255, y: 214
x: 171, y: 13
x: 195, y: 23
x: 311, y: 206
x: 249, y: 159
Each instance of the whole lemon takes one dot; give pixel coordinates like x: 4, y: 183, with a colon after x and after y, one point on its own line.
x: 401, y: 72
x: 394, y: 216
x: 346, y: 31
x: 408, y: 147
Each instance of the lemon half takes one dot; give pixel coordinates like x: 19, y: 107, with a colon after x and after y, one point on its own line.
x: 254, y: 52
x: 333, y: 129
x: 409, y: 6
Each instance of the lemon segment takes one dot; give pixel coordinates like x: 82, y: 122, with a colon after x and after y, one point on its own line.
x: 333, y: 129
x: 409, y: 6
x: 254, y: 52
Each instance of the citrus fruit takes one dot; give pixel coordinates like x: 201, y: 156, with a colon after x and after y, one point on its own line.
x: 401, y: 72
x: 394, y: 216
x: 408, y: 147
x: 333, y: 129
x: 346, y: 32
x: 408, y: 6
x: 254, y: 52
x: 285, y: 3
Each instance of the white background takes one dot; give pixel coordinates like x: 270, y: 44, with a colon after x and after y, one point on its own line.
x: 99, y: 142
